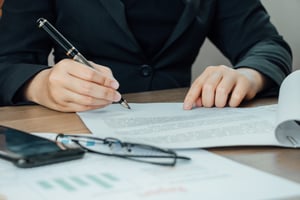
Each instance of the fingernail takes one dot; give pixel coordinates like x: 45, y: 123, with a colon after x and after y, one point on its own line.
x: 187, y: 106
x: 114, y: 84
x: 117, y: 97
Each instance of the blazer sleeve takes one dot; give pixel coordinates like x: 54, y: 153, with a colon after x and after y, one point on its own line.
x: 243, y: 32
x: 24, y: 49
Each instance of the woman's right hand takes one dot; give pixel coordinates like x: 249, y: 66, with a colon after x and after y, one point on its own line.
x: 70, y: 86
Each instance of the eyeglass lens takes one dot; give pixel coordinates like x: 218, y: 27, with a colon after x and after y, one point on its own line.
x: 114, y: 147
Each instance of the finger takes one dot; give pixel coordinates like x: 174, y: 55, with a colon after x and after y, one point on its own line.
x: 106, y: 72
x: 62, y: 101
x: 194, y: 92
x: 92, y: 90
x: 103, y: 69
x: 75, y: 98
x: 89, y: 74
x: 199, y: 102
x: 86, y: 100
x: 239, y: 92
x: 73, y: 107
x: 223, y: 91
x: 209, y: 89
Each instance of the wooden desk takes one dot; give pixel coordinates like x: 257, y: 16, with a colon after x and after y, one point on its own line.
x: 279, y: 161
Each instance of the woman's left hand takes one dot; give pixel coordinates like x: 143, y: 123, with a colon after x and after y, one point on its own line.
x: 222, y: 85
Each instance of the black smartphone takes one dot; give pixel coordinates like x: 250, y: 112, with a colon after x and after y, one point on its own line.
x: 26, y: 150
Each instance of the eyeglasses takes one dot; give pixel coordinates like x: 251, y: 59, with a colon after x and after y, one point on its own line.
x: 115, y: 147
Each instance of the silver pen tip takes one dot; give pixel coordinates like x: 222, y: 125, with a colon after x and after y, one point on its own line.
x: 124, y: 103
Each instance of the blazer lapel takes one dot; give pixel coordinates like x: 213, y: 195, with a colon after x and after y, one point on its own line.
x: 117, y: 10
x: 186, y: 18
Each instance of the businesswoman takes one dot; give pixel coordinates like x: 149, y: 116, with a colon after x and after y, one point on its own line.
x: 138, y: 45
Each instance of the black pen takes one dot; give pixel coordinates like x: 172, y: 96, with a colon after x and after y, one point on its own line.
x: 71, y: 51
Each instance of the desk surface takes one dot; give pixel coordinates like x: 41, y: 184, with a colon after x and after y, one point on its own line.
x: 279, y: 161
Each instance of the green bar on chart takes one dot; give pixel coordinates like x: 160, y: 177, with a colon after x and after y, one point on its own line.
x: 65, y: 185
x: 45, y: 185
x: 79, y: 181
x: 99, y: 181
x: 110, y: 177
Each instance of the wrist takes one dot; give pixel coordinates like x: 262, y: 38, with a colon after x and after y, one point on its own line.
x: 259, y: 81
x: 35, y: 89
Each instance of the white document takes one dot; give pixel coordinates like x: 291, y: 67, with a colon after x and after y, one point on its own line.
x: 206, y: 176
x: 288, y: 115
x: 168, y: 125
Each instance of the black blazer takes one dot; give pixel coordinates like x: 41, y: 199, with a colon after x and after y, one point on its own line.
x: 98, y: 28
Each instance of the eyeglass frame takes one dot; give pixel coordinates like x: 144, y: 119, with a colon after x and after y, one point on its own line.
x: 110, y: 140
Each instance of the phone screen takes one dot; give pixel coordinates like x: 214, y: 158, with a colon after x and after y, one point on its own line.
x: 17, y: 145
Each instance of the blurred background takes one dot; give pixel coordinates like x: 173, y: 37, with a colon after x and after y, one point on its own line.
x: 285, y: 15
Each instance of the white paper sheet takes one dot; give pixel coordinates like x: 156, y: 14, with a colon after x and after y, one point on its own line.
x: 288, y: 115
x: 94, y: 177
x: 168, y: 125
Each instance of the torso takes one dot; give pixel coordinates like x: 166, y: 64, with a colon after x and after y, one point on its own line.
x: 152, y: 21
